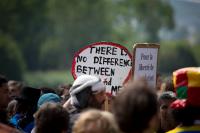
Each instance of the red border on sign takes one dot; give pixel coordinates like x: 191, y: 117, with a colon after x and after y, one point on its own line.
x: 100, y: 43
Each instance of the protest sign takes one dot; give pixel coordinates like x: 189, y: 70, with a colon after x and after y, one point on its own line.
x: 110, y: 61
x: 145, y: 62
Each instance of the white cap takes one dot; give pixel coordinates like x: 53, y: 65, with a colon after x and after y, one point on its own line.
x: 83, y: 82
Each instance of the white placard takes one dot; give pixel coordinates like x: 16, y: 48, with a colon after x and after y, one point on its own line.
x: 110, y: 61
x: 145, y: 63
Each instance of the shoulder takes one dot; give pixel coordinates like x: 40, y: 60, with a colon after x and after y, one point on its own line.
x: 6, y: 129
x: 188, y: 129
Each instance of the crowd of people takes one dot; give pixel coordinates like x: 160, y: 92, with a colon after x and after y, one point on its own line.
x: 173, y: 106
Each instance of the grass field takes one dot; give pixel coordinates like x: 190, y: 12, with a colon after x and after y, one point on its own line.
x: 47, y: 78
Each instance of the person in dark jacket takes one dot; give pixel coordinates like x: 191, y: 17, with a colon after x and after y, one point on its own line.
x: 86, y: 92
x: 25, y: 108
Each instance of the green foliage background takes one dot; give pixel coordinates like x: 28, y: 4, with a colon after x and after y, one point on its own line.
x: 48, y: 78
x: 12, y: 63
x: 38, y: 38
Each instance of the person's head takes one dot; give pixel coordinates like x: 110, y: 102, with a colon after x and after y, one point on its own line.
x: 167, y: 84
x: 27, y: 105
x: 165, y: 99
x: 166, y: 120
x: 136, y: 108
x: 48, y: 97
x: 186, y: 108
x: 87, y: 91
x: 96, y: 121
x: 63, y: 92
x: 51, y: 118
x: 158, y: 81
x: 15, y: 88
x: 187, y: 85
x: 63, y: 89
x: 4, y: 92
x: 11, y: 109
x: 184, y: 114
x: 45, y: 90
x: 27, y: 100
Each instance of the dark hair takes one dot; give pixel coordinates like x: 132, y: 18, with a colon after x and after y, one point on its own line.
x: 3, y: 80
x: 61, y: 88
x: 134, y: 107
x: 83, y: 98
x: 168, y: 95
x: 18, y: 84
x: 27, y: 104
x: 51, y: 118
x: 168, y: 84
x: 187, y: 115
x: 45, y: 90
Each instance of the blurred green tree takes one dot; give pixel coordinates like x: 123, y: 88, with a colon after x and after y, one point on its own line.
x: 11, y: 60
x: 49, y: 32
x: 76, y: 24
x: 175, y: 55
x: 26, y: 22
x: 147, y: 16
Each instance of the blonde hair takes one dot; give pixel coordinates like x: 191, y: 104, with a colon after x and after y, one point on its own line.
x: 96, y: 121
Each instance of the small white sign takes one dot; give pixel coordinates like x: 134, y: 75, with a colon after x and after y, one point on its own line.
x: 145, y: 62
x: 110, y: 61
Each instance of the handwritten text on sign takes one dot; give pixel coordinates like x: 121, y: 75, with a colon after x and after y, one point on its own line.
x: 110, y: 61
x: 146, y: 64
